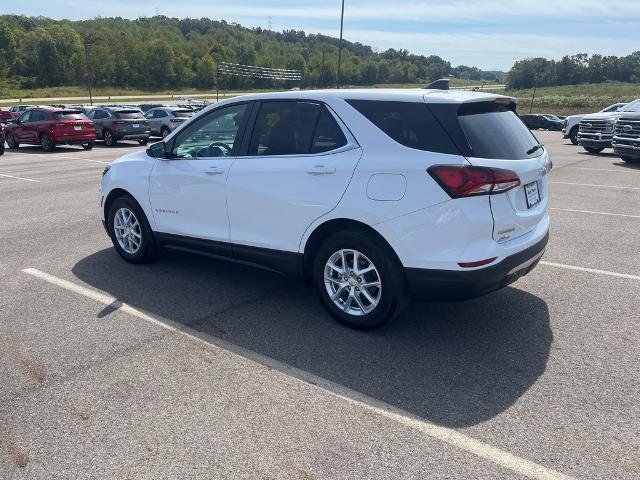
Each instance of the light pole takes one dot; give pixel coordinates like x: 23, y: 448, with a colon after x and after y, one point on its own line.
x: 340, y: 45
x: 87, y: 47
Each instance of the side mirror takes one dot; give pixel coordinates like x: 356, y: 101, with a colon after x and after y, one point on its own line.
x: 157, y: 150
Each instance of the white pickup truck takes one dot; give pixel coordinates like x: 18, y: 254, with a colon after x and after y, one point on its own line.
x: 596, y: 130
x: 572, y: 123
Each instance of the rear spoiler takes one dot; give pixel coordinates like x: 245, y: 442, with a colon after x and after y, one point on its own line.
x: 442, y: 84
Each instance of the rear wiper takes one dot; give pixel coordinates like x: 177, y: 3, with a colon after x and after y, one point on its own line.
x: 534, y: 149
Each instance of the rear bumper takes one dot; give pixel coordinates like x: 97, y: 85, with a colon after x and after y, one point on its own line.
x: 457, y: 285
x: 132, y: 135
x: 74, y: 139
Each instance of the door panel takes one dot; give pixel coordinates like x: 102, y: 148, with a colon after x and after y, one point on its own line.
x: 187, y: 192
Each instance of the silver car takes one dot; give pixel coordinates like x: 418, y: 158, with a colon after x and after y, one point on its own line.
x: 164, y: 120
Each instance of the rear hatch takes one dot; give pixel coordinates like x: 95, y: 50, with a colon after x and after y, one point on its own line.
x: 490, y: 134
x: 131, y: 122
x: 72, y: 122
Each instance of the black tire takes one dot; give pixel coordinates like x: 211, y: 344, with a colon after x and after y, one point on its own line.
x: 88, y: 145
x: 148, y: 249
x: 46, y: 143
x: 164, y: 132
x: 573, y: 135
x: 594, y: 149
x: 143, y: 141
x: 394, y: 294
x: 109, y: 139
x: 11, y: 141
x: 632, y: 160
x: 2, y: 148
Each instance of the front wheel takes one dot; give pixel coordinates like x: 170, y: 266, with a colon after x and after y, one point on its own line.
x: 164, y: 132
x: 573, y: 135
x: 88, y: 145
x: 46, y: 143
x: 11, y: 141
x: 594, y: 149
x: 130, y: 232
x: 143, y: 141
x: 359, y: 280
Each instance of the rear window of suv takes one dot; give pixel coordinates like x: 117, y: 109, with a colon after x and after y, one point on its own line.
x: 129, y: 114
x: 409, y: 123
x: 495, y: 131
x: 70, y: 115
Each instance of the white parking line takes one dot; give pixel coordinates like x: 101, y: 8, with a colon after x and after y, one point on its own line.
x: 594, y: 213
x: 596, y: 185
x: 590, y: 270
x: 447, y: 435
x: 18, y: 178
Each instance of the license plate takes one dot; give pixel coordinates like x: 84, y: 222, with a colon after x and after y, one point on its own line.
x: 136, y: 125
x: 77, y: 127
x: 532, y: 193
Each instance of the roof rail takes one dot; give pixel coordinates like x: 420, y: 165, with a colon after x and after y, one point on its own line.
x: 442, y: 84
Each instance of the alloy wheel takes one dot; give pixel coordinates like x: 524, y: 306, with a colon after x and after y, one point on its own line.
x: 352, y: 282
x: 127, y: 230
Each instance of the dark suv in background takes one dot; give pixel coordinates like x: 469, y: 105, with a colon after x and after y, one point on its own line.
x: 548, y: 122
x: 626, y: 138
x: 114, y: 124
x: 1, y: 139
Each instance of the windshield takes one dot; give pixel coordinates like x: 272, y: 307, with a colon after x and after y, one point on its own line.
x: 69, y: 115
x: 631, y: 107
x: 494, y: 131
x: 552, y: 117
x: 129, y: 114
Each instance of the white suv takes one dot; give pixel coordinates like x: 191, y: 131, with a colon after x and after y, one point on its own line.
x: 373, y: 196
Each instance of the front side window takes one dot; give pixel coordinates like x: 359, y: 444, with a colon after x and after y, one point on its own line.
x: 214, y: 135
x: 149, y: 114
x: 408, y: 123
x: 284, y: 128
x: 25, y: 117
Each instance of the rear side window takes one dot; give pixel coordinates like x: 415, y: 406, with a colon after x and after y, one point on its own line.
x: 494, y: 131
x: 129, y: 114
x: 284, y: 128
x: 328, y: 135
x: 410, y: 124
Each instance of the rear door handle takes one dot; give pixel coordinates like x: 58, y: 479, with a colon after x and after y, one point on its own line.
x: 321, y: 170
x: 214, y: 171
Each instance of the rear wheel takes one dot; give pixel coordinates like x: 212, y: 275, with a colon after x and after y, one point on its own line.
x: 88, y: 145
x: 46, y: 143
x: 130, y: 232
x: 359, y: 280
x: 2, y: 148
x: 573, y: 135
x: 11, y: 141
x: 594, y: 149
x: 109, y: 139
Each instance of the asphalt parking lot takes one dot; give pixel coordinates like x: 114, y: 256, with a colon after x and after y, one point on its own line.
x: 195, y: 368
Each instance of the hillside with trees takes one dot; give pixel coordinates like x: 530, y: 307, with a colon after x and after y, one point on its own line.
x: 574, y: 70
x: 161, y: 52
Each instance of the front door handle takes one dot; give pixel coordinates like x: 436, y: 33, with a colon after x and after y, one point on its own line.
x: 214, y: 171
x: 321, y: 170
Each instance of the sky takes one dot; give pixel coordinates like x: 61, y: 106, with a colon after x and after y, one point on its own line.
x: 490, y: 34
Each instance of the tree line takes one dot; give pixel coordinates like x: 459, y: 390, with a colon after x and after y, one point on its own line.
x: 162, y: 52
x: 574, y: 70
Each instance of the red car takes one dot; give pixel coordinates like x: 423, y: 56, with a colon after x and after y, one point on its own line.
x: 49, y: 127
x: 5, y: 116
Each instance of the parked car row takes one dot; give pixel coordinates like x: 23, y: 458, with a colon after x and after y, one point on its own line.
x: 56, y: 125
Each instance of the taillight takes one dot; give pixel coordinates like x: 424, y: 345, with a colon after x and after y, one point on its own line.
x: 467, y: 181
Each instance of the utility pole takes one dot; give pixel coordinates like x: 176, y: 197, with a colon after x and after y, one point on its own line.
x: 87, y: 47
x: 340, y: 45
x: 322, y: 72
x: 533, y: 98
